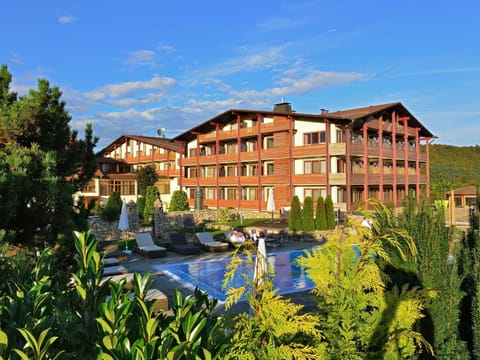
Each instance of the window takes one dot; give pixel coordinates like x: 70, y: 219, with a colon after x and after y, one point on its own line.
x: 269, y: 168
x: 164, y: 188
x: 249, y: 194
x: 89, y: 187
x: 192, y: 172
x: 231, y: 171
x: 314, y: 138
x: 229, y: 194
x: 268, y: 142
x: 123, y: 187
x: 314, y: 167
x: 192, y: 153
x: 340, y: 136
x: 315, y: 193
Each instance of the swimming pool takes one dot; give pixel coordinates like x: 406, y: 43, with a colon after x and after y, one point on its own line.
x: 208, y: 275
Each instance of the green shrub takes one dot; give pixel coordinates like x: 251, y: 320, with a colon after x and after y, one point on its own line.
x: 115, y: 201
x: 140, y: 207
x: 295, y: 221
x: 179, y: 201
x: 152, y: 195
x: 307, y: 214
x: 330, y: 211
x: 109, y: 214
x: 320, y: 215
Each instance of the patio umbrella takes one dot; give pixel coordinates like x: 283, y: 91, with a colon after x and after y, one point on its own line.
x: 270, y: 201
x: 261, y: 264
x: 123, y: 222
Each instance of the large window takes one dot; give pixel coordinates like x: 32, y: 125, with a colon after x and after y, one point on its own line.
x: 249, y: 193
x: 268, y: 142
x: 314, y: 138
x: 269, y: 169
x: 314, y: 166
x: 315, y: 193
x: 229, y: 194
x: 123, y: 187
x: 89, y: 187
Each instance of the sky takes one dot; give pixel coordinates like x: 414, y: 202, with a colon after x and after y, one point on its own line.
x: 133, y: 67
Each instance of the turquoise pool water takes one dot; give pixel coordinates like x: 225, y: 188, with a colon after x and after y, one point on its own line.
x: 208, y: 275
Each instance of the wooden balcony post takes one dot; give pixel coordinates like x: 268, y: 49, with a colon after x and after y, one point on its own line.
x: 394, y: 157
x: 380, y: 156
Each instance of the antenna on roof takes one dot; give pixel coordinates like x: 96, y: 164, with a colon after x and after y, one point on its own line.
x: 282, y: 100
x: 161, y: 132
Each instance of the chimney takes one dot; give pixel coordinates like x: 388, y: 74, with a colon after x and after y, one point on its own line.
x: 323, y: 111
x: 284, y: 107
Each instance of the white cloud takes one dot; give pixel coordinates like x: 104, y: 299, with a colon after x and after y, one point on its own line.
x: 142, y: 57
x: 65, y: 19
x: 115, y: 91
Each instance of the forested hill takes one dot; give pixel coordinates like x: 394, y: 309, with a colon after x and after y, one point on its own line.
x: 453, y: 167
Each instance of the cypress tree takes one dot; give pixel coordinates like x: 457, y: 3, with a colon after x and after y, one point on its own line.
x: 152, y: 195
x: 295, y: 221
x: 321, y: 215
x: 179, y: 201
x: 307, y: 214
x: 330, y: 212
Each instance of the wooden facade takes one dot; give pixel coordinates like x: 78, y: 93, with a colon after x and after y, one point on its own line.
x: 232, y: 160
x: 119, y: 161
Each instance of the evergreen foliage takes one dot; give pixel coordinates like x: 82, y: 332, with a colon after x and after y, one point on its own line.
x: 152, y: 195
x: 431, y: 269
x: 274, y: 328
x: 307, y: 214
x: 330, y: 213
x: 179, y: 201
x: 113, y: 208
x: 140, y: 206
x: 475, y: 294
x: 362, y: 319
x: 295, y: 221
x: 42, y: 163
x: 320, y: 215
x: 146, y: 176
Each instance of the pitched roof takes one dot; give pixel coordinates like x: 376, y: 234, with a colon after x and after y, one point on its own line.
x: 356, y: 116
x: 151, y: 140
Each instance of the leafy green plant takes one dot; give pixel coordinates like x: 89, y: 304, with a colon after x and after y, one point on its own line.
x: 146, y: 176
x: 112, y: 209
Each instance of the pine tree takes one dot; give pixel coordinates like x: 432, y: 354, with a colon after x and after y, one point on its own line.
x: 295, y: 221
x: 42, y: 163
x: 307, y: 214
x: 330, y: 212
x: 320, y: 215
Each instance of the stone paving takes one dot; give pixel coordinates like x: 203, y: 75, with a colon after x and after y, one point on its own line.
x: 136, y: 263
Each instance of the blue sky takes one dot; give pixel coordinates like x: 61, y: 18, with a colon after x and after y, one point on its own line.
x: 134, y: 67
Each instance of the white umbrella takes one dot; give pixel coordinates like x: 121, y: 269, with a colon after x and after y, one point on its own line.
x: 270, y: 201
x: 123, y: 222
x: 261, y: 264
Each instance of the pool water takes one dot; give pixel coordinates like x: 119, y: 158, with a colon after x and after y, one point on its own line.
x: 208, y: 275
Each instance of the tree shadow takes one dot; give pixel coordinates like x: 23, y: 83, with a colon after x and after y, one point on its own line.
x: 398, y: 279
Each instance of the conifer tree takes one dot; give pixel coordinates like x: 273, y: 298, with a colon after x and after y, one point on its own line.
x: 330, y: 212
x: 152, y: 195
x: 295, y: 221
x: 362, y: 319
x: 321, y: 215
x: 433, y: 270
x: 307, y: 214
x: 42, y: 163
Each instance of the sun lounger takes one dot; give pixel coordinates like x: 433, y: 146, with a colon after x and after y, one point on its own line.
x: 179, y: 244
x: 207, y: 241
x: 111, y: 261
x: 117, y: 278
x: 114, y: 270
x: 146, y: 247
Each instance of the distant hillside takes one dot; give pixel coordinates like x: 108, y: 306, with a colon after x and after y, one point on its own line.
x: 453, y: 167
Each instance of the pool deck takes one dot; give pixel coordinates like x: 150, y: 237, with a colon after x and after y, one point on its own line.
x: 168, y: 285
